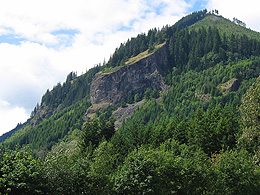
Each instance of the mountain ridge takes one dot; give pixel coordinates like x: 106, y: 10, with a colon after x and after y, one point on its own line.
x: 76, y: 90
x: 199, y: 137
x: 225, y: 26
x: 130, y: 79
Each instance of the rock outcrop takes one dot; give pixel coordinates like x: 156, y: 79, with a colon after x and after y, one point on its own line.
x: 231, y: 85
x: 122, y: 114
x: 131, y: 79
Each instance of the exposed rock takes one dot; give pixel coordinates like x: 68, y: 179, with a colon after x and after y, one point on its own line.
x: 131, y: 79
x: 231, y: 85
x: 203, y: 97
x: 91, y: 111
x: 225, y: 88
x: 122, y: 114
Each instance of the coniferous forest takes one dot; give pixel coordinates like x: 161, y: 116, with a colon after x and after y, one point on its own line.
x: 200, y: 137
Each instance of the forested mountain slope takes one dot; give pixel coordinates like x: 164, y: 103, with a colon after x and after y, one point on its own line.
x: 207, y: 51
x: 191, y: 133
x: 225, y: 26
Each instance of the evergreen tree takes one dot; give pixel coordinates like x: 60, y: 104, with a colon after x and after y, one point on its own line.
x: 250, y: 118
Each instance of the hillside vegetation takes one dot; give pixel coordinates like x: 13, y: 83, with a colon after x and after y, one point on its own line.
x: 200, y: 137
x: 225, y: 26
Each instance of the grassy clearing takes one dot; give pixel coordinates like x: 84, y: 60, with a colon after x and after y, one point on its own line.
x: 133, y: 59
x: 225, y: 87
x: 143, y: 54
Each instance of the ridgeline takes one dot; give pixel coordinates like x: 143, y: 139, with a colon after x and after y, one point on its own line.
x: 184, y: 100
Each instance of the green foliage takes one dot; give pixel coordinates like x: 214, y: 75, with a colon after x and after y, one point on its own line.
x: 214, y: 130
x: 137, y: 175
x: 138, y: 97
x: 50, y: 131
x: 233, y: 172
x: 130, y: 99
x: 59, y: 169
x: 184, y: 142
x: 250, y: 118
x: 149, y: 94
x: 10, y: 133
x: 107, y: 113
x: 225, y: 26
x: 191, y: 18
x: 105, y: 159
x: 67, y: 172
x: 73, y: 90
x: 211, y: 131
x: 151, y: 48
x: 20, y: 173
x: 94, y: 131
x: 190, y: 47
x: 123, y: 103
x: 170, y: 169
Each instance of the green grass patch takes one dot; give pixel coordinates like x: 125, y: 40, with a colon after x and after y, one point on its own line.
x: 133, y: 59
x: 143, y: 54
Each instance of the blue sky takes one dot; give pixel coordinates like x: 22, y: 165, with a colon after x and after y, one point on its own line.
x: 41, y: 42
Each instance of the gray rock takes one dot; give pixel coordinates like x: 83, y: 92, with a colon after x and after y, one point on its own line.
x: 130, y: 79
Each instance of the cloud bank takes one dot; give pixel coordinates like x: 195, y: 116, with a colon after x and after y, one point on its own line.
x: 43, y: 41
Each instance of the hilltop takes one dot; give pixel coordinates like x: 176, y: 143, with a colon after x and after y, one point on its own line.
x: 178, y: 56
x: 173, y: 111
x: 225, y: 26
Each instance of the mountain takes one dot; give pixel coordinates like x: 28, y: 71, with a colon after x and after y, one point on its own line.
x: 8, y: 134
x: 225, y: 26
x: 136, y: 76
x: 150, y: 63
x: 173, y: 111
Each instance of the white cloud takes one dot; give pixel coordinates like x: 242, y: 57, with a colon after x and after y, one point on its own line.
x: 9, y: 116
x: 3, y: 104
x: 24, y: 67
x: 61, y: 36
x: 44, y: 57
x: 247, y: 11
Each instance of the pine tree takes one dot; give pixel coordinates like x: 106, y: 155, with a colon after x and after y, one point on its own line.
x: 250, y: 118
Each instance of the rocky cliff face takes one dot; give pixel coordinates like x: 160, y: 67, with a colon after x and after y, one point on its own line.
x: 131, y: 79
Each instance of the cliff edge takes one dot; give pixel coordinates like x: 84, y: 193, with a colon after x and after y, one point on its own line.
x: 131, y: 79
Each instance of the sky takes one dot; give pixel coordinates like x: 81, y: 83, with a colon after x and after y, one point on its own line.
x: 42, y: 41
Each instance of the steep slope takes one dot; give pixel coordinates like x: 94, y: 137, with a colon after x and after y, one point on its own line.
x: 196, y: 62
x: 196, y: 138
x: 58, y: 117
x: 10, y: 133
x: 131, y: 79
x: 225, y: 26
x: 54, y: 103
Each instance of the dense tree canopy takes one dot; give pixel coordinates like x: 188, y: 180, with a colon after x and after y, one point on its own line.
x: 197, y: 138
